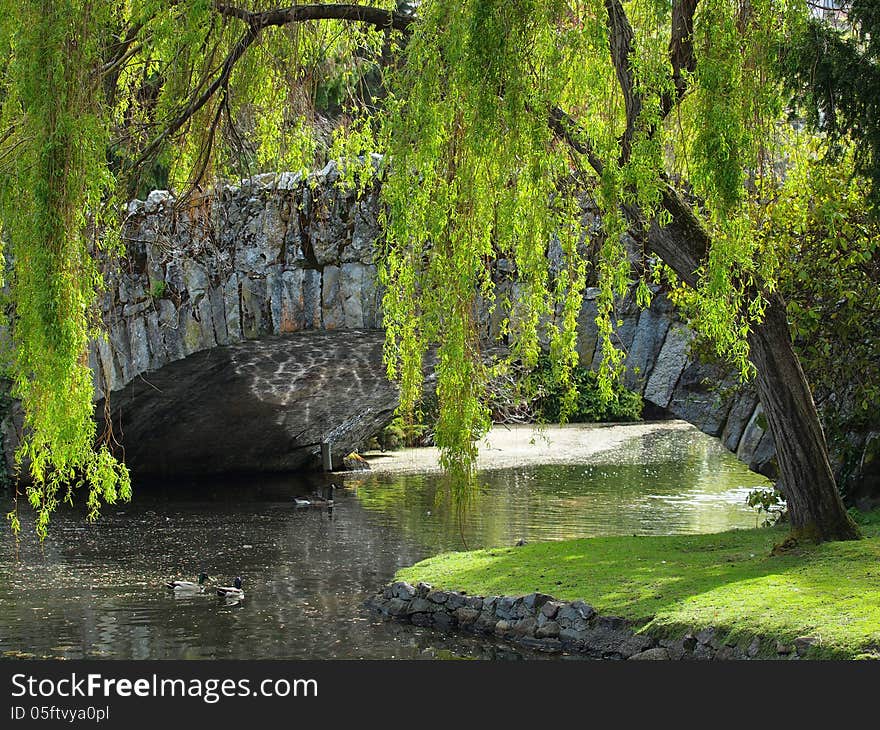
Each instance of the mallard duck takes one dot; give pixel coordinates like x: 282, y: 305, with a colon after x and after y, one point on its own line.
x: 187, y: 586
x: 233, y: 591
x: 317, y: 500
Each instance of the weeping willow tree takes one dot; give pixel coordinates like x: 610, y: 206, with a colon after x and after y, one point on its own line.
x: 52, y: 192
x: 494, y: 120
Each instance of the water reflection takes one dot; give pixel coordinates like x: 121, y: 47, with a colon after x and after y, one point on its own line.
x: 98, y: 590
x: 665, y: 482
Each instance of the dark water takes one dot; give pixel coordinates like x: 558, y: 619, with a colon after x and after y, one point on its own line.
x: 97, y: 590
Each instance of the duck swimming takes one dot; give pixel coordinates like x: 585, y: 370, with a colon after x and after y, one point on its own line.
x: 324, y: 499
x: 233, y: 591
x: 187, y: 586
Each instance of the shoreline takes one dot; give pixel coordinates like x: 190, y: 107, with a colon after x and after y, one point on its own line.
x: 507, y: 446
x: 722, y: 595
x: 539, y: 622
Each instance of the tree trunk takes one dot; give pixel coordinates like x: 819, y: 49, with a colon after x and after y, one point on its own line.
x: 815, y: 507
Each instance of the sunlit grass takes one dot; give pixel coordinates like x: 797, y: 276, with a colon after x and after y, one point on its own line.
x: 671, y: 585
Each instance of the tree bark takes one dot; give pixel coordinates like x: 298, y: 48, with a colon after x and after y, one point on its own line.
x: 816, y: 511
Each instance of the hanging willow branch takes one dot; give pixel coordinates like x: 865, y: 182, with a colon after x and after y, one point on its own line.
x: 256, y: 22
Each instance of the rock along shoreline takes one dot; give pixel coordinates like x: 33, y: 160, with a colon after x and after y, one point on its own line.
x: 542, y: 623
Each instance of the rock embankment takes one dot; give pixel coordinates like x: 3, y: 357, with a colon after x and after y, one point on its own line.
x: 540, y: 622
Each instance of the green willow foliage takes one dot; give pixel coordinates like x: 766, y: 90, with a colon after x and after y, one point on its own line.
x: 730, y: 147
x: 475, y: 174
x: 473, y: 178
x: 51, y: 193
x: 264, y: 117
x: 820, y: 224
x: 472, y: 173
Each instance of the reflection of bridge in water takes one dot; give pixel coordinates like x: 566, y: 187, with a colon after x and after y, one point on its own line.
x: 244, y: 331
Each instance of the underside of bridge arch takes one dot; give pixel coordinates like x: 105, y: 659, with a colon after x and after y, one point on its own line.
x: 259, y: 405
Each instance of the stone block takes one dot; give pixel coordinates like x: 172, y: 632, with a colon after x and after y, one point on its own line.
x: 120, y: 344
x: 351, y: 294
x: 218, y: 315
x: 551, y: 608
x: 525, y: 626
x: 312, y: 313
x: 506, y: 607
x: 438, y: 596
x: 443, y: 620
x: 195, y: 278
x: 109, y: 365
x: 741, y: 411
x: 232, y: 309
x: 587, y: 330
x: 702, y: 397
x: 534, y: 602
x: 402, y: 589
x: 752, y: 436
x: 648, y: 338
x: 466, y: 616
x: 670, y: 362
x: 254, y: 308
x: 291, y: 314
x: 332, y: 312
x: 549, y: 630
x: 454, y: 600
x: 140, y: 346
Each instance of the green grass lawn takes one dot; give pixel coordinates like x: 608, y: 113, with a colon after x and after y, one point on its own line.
x: 676, y: 584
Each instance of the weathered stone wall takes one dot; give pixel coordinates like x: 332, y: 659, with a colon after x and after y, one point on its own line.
x: 664, y: 368
x: 542, y: 623
x: 278, y: 254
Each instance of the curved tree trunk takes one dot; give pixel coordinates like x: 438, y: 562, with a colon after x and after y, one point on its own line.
x: 815, y: 507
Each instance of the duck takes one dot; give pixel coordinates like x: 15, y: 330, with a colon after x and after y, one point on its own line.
x: 325, y: 499
x: 233, y: 591
x: 316, y: 500
x: 187, y: 586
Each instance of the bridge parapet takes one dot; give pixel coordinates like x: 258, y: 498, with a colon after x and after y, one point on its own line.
x: 275, y: 255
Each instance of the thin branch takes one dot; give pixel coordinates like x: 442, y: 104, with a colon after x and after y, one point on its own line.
x: 377, y: 17
x: 236, y: 53
x: 620, y: 41
x: 256, y: 21
x: 567, y: 129
x: 205, y: 153
x: 120, y: 61
x: 10, y: 130
x: 683, y: 243
x: 121, y: 48
x: 681, y: 51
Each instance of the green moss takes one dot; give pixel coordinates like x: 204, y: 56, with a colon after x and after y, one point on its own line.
x: 157, y: 289
x: 671, y: 585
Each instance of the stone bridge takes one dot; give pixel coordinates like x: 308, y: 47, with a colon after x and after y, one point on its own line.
x: 244, y: 330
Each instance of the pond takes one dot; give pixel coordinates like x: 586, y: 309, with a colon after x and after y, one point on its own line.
x: 97, y: 591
